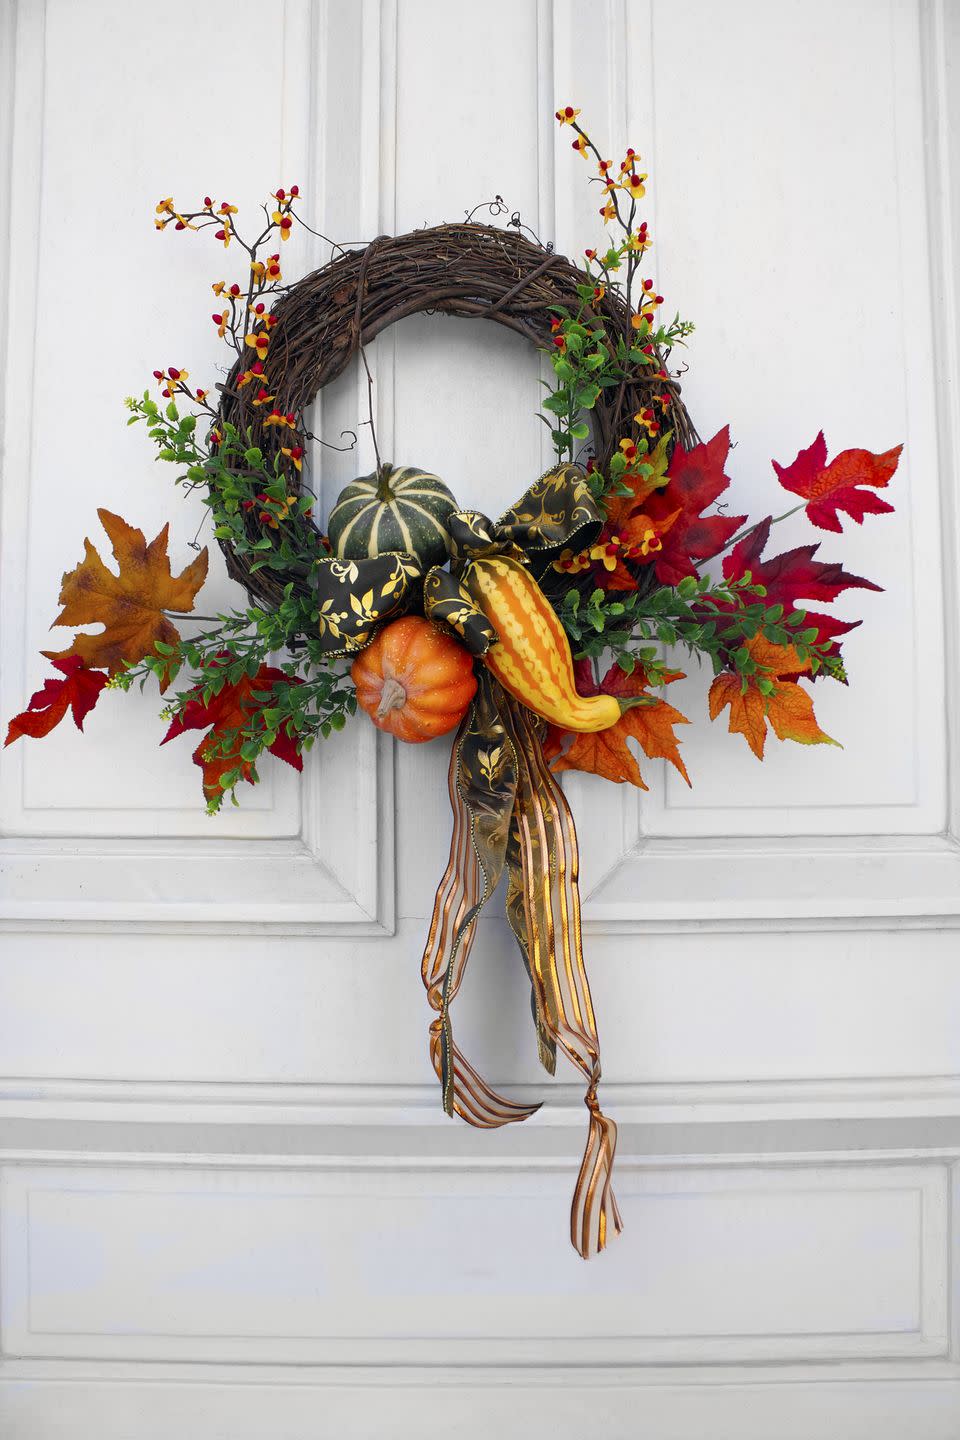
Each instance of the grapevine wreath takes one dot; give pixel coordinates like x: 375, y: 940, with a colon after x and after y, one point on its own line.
x: 539, y: 638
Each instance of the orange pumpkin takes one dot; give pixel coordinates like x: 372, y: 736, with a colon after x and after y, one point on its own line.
x: 414, y: 681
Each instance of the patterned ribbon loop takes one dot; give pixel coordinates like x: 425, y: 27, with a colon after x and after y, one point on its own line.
x: 509, y: 811
x: 355, y: 596
x: 557, y: 513
x: 447, y: 600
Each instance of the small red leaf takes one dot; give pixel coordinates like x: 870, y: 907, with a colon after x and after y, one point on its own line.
x: 78, y: 692
x: 828, y: 489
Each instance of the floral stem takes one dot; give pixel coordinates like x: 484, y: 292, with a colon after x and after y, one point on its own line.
x: 750, y: 528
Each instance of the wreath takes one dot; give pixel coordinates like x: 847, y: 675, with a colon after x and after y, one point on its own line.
x: 542, y: 638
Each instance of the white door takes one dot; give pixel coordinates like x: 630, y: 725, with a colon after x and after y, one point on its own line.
x: 230, y: 1203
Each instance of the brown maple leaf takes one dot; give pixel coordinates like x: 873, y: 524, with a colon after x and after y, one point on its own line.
x: 787, y: 706
x: 130, y: 606
x: 606, y: 752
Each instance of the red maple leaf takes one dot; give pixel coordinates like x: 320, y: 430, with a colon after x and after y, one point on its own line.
x: 636, y: 543
x: 793, y: 576
x: 78, y: 692
x: 696, y: 479
x: 831, y: 488
x: 224, y: 716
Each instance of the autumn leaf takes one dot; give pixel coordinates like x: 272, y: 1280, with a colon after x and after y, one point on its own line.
x: 78, y: 692
x: 224, y: 716
x: 130, y: 605
x: 606, y: 752
x: 619, y: 508
x: 793, y: 577
x: 787, y: 706
x: 831, y: 488
x: 695, y: 480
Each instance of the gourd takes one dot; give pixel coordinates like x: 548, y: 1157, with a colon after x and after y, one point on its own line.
x: 532, y: 659
x: 395, y: 508
x: 413, y: 680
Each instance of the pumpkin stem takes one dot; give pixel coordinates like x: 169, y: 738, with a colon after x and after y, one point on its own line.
x: 392, y: 697
x: 384, y: 490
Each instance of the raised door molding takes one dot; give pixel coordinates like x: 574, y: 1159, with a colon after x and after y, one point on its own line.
x: 802, y: 1262
x: 652, y: 864
x: 308, y: 857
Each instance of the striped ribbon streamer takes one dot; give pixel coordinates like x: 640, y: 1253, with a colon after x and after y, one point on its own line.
x: 481, y: 797
x: 550, y: 865
x: 509, y: 810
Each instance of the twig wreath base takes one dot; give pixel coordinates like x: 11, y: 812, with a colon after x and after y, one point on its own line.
x: 472, y: 270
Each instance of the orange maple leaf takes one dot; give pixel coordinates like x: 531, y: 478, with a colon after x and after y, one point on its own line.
x: 787, y: 706
x: 605, y: 752
x: 130, y: 606
x: 639, y: 487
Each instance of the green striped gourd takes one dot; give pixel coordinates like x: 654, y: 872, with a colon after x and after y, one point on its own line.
x: 395, y: 508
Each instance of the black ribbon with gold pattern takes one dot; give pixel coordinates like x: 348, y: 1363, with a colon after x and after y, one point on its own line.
x: 355, y: 597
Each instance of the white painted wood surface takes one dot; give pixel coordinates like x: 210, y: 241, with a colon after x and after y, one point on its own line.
x: 224, y: 1181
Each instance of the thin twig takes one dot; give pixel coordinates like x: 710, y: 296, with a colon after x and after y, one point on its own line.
x: 373, y: 428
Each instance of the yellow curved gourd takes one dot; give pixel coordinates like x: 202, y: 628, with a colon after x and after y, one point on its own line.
x: 532, y: 660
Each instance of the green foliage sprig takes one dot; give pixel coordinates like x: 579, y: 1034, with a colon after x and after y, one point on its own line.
x: 705, y: 617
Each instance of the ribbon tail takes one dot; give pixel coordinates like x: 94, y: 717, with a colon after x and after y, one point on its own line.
x: 594, y: 1217
x: 481, y: 781
x: 472, y: 1098
x: 451, y: 934
x: 516, y: 914
x: 549, y: 872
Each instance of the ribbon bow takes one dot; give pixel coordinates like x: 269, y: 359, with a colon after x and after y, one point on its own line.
x: 509, y: 813
x: 557, y: 513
